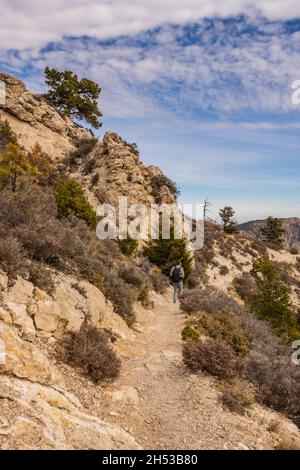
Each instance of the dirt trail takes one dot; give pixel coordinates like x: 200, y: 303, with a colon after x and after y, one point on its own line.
x: 164, y: 406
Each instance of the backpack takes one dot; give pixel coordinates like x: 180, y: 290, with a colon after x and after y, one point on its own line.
x: 176, y: 275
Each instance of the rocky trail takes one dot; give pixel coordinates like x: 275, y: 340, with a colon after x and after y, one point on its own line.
x: 162, y: 405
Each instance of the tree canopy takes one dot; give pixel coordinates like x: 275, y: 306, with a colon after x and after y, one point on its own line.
x: 229, y: 224
x: 272, y: 232
x: 73, y: 97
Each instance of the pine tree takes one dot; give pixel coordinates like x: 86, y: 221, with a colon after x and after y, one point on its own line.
x: 229, y: 224
x: 271, y: 301
x: 166, y: 253
x: 73, y: 97
x: 272, y: 232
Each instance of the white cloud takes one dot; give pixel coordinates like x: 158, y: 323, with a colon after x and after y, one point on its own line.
x: 34, y: 23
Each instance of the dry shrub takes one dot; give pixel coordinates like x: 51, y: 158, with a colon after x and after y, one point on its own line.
x: 237, y: 396
x: 223, y: 270
x: 121, y: 295
x: 208, y: 300
x: 132, y: 275
x: 225, y: 326
x: 12, y: 259
x: 213, y: 356
x: 277, y: 378
x: 244, y: 285
x: 159, y: 281
x: 41, y: 277
x: 89, y: 350
x: 194, y: 280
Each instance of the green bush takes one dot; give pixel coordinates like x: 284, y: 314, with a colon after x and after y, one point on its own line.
x: 189, y: 332
x: 128, y: 245
x: 224, y: 326
x: 7, y: 136
x: 71, y: 200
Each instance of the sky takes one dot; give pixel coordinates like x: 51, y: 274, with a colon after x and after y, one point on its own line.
x: 203, y: 87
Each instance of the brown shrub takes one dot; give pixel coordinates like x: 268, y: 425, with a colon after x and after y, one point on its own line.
x: 132, y: 275
x: 208, y: 300
x: 244, y: 285
x: 229, y: 401
x: 160, y: 282
x: 12, y: 259
x: 223, y: 270
x: 237, y: 396
x: 89, y: 350
x: 41, y: 277
x: 277, y: 378
x: 213, y: 356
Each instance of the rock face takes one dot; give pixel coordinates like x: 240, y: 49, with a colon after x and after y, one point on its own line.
x: 37, y: 411
x: 33, y: 310
x: 291, y: 228
x: 117, y: 170
x: 33, y: 120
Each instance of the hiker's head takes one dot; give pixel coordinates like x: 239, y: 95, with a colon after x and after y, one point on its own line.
x: 178, y: 263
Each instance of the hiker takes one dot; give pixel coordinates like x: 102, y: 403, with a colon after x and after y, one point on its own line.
x: 177, y: 276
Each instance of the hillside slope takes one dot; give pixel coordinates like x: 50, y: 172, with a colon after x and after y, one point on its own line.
x: 47, y: 403
x: 290, y: 225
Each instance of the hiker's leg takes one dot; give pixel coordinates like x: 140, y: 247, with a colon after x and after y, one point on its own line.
x: 180, y: 287
x: 175, y: 292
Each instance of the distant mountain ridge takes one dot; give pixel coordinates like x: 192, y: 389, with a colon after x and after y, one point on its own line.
x: 290, y: 225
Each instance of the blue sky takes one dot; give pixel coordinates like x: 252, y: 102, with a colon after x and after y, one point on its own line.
x: 203, y: 88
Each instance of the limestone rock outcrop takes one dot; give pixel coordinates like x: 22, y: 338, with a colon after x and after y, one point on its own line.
x: 37, y: 409
x: 34, y: 120
x: 118, y: 171
x: 33, y: 310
